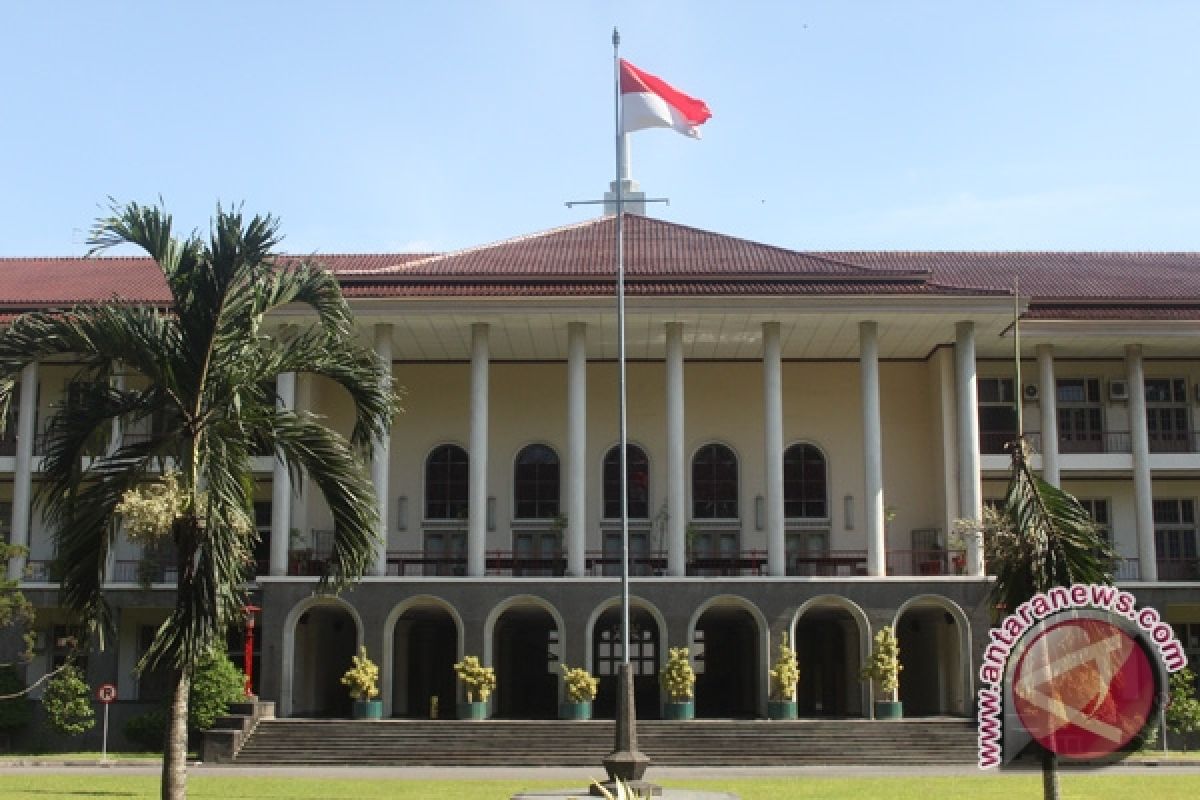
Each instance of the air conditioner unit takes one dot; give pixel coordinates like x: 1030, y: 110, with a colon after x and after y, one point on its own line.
x: 1118, y: 390
x: 1031, y: 393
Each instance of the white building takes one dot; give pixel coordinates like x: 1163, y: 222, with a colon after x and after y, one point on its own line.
x: 806, y: 428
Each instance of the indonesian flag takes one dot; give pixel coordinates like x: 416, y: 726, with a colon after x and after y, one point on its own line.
x: 648, y: 101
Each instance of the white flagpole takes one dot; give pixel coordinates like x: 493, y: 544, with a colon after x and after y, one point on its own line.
x: 623, y: 425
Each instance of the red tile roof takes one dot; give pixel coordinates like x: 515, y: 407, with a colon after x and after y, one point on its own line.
x: 667, y: 259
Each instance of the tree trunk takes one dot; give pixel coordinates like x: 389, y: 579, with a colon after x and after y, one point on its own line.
x: 1049, y: 776
x: 174, y: 767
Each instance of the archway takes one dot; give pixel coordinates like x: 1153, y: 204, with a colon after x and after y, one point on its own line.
x: 526, y: 653
x: 325, y: 640
x: 932, y: 635
x: 645, y: 659
x: 425, y: 645
x: 727, y: 653
x: 830, y: 637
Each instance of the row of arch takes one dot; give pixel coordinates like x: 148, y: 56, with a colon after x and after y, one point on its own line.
x: 525, y: 637
x: 537, y: 478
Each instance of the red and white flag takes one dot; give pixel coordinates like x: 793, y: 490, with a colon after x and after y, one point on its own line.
x: 648, y: 101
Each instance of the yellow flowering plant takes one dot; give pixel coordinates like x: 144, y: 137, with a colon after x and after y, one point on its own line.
x: 362, y: 679
x: 678, y: 677
x: 476, y: 678
x: 581, y: 684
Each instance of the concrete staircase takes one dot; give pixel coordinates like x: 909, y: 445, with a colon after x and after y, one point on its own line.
x: 553, y: 743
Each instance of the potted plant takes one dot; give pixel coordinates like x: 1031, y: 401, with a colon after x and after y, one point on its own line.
x: 679, y: 679
x: 883, y: 667
x: 479, y: 681
x: 362, y: 680
x: 957, y: 546
x: 581, y: 691
x: 784, y: 676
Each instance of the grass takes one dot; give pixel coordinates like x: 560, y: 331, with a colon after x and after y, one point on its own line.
x: 1106, y: 786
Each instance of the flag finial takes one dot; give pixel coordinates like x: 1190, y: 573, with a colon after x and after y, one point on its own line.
x: 616, y: 37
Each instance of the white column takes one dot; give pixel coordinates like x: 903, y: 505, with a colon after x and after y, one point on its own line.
x: 773, y: 448
x: 281, y: 485
x: 677, y: 515
x: 970, y: 488
x: 477, y: 504
x: 868, y: 357
x: 948, y: 434
x: 23, y: 477
x: 576, y: 448
x: 381, y: 459
x: 1143, y: 491
x: 1049, y: 401
x: 116, y: 381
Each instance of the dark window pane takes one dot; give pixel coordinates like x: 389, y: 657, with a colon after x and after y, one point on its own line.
x: 446, y: 483
x: 536, y: 483
x: 714, y: 483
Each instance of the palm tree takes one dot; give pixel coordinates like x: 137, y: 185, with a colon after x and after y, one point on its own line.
x: 207, y: 362
x: 1040, y: 538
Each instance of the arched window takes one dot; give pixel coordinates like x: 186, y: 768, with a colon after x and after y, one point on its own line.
x: 714, y: 483
x: 637, y: 478
x: 535, y: 484
x: 446, y: 472
x: 804, y: 482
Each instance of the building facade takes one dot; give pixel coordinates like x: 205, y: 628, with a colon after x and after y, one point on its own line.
x: 805, y: 430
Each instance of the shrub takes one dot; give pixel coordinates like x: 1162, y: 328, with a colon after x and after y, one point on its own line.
x: 147, y: 731
x: 884, y: 663
x: 581, y: 685
x: 678, y: 677
x: 1183, y: 710
x: 362, y: 679
x: 17, y: 711
x: 477, y: 678
x: 216, y: 683
x: 67, y: 701
x: 786, y: 672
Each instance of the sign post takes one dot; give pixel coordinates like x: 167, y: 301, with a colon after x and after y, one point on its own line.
x: 106, y: 693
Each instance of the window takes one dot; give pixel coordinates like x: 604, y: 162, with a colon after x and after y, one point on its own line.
x: 807, y: 552
x: 8, y: 440
x: 997, y: 414
x: 1080, y: 416
x: 637, y: 479
x: 1098, y: 510
x: 536, y: 483
x: 262, y: 524
x: 804, y: 481
x: 639, y: 553
x: 643, y: 649
x: 445, y: 553
x: 81, y: 395
x: 156, y: 684
x: 1175, y: 539
x: 1188, y: 634
x: 714, y: 483
x: 1167, y: 415
x: 6, y: 512
x: 446, y: 482
x: 538, y: 553
x: 64, y: 642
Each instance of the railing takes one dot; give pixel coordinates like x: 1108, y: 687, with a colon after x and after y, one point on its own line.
x: 935, y: 561
x: 41, y: 571
x: 1178, y: 569
x: 640, y: 564
x: 1178, y: 442
x: 1126, y: 569
x: 144, y: 572
x: 828, y: 564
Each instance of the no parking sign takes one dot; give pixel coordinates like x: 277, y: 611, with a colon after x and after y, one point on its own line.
x: 106, y: 693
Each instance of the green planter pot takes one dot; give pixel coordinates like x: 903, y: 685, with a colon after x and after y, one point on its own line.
x: 575, y: 710
x: 889, y: 710
x: 473, y: 710
x: 681, y: 710
x: 781, y: 709
x: 368, y: 709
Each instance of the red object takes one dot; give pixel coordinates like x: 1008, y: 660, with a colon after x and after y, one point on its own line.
x: 1084, y: 688
x: 106, y: 693
x: 647, y: 101
x: 248, y: 652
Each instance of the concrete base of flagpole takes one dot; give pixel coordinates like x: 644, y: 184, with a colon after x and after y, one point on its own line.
x: 626, y: 763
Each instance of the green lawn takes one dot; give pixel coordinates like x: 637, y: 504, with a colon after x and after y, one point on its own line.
x: 46, y: 786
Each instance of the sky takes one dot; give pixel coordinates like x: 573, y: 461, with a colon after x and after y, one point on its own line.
x: 432, y: 126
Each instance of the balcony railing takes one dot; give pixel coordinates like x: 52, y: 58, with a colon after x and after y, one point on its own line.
x: 1178, y: 569
x: 144, y: 571
x: 927, y: 562
x: 1177, y: 442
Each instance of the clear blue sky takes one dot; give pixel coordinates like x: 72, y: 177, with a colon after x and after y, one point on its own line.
x: 436, y: 125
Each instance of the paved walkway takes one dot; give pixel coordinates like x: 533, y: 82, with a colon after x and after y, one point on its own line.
x: 571, y: 775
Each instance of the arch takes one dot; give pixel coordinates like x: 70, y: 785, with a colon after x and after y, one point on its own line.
x: 739, y: 684
x: 639, y: 487
x: 800, y: 496
x: 388, y: 665
x: 523, y: 691
x: 937, y: 674
x: 715, y: 482
x: 537, y: 471
x: 288, y: 681
x: 647, y: 691
x: 446, y: 481
x: 829, y: 660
